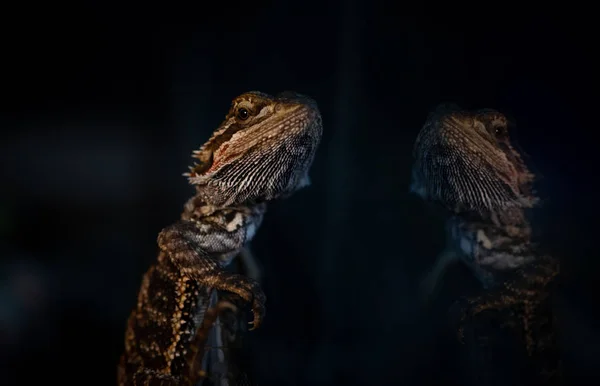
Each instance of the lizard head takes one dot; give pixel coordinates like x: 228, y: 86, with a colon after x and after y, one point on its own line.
x: 465, y: 161
x: 261, y: 151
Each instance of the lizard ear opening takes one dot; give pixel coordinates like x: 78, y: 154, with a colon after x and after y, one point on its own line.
x: 204, y: 165
x: 206, y: 157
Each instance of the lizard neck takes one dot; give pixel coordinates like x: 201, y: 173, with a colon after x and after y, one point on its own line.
x: 219, y: 223
x: 492, y: 244
x: 197, y: 207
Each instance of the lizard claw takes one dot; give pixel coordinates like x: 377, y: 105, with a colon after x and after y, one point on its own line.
x: 249, y: 290
x: 258, y: 311
x: 258, y: 303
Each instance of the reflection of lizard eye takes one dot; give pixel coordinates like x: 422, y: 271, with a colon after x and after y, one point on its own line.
x: 500, y: 131
x: 242, y: 114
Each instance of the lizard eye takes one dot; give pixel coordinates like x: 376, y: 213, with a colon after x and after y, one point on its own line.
x: 242, y: 114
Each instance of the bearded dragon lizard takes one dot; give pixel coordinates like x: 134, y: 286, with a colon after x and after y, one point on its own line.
x: 261, y: 152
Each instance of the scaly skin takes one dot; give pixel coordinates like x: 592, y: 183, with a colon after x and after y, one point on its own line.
x: 261, y: 152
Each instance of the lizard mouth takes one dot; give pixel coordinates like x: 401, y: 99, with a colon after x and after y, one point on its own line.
x: 206, y: 161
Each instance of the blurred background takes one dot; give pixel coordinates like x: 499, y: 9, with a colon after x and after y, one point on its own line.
x: 103, y: 103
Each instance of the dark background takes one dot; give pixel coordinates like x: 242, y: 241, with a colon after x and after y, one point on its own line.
x: 103, y: 104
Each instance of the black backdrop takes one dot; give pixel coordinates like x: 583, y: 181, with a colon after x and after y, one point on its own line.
x: 104, y: 102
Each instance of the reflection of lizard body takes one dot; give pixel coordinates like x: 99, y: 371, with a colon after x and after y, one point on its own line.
x: 261, y: 152
x: 464, y: 160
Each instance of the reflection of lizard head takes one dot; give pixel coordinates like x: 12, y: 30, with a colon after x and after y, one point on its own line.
x: 261, y: 151
x: 465, y: 161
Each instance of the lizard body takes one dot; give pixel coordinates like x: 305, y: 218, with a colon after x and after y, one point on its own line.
x: 261, y: 152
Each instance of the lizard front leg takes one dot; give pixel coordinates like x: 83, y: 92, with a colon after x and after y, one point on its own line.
x: 200, y: 248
